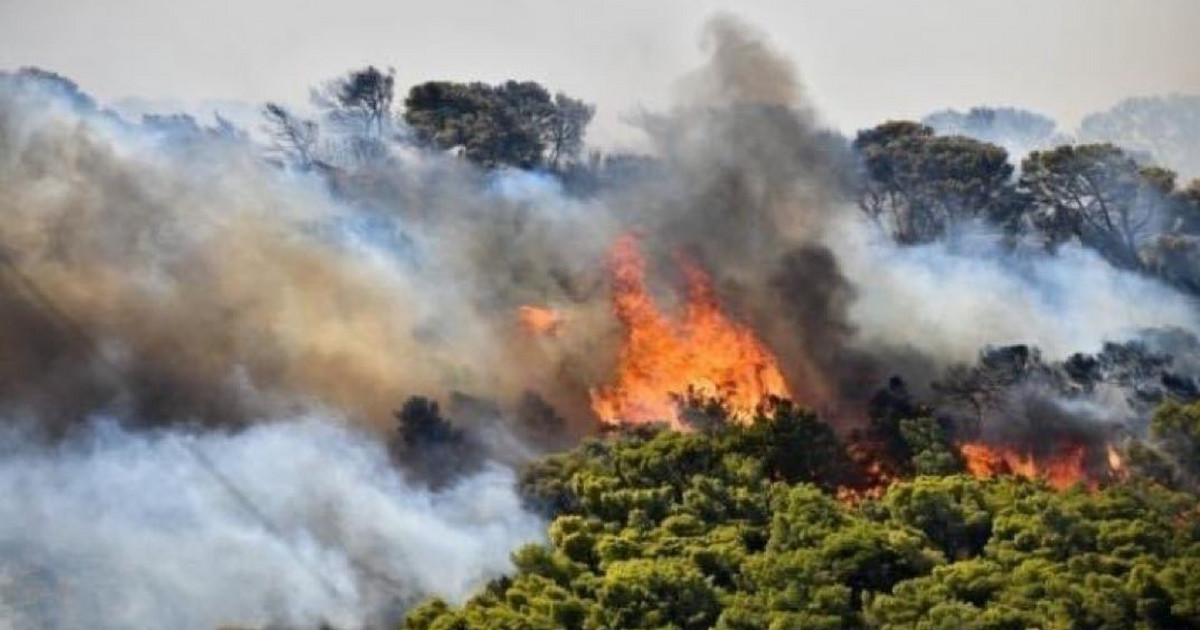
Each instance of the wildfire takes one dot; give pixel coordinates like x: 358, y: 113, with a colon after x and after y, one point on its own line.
x: 1064, y: 468
x: 704, y: 353
x: 538, y: 320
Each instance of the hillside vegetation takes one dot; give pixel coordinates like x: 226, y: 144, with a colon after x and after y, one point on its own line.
x: 740, y: 526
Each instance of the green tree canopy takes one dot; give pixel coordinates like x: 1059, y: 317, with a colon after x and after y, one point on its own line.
x: 1098, y: 194
x: 514, y: 123
x: 919, y: 185
x: 657, y: 529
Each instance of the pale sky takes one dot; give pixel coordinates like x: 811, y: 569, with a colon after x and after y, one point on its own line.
x: 862, y: 61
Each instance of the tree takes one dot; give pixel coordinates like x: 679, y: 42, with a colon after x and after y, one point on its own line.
x: 982, y: 389
x: 918, y: 186
x: 1176, y: 430
x: 359, y: 105
x: 429, y: 445
x: 566, y: 129
x: 511, y: 124
x: 662, y: 593
x: 795, y: 445
x: 900, y: 439
x: 951, y: 511
x: 362, y: 99
x: 1174, y: 254
x: 293, y: 139
x: 928, y: 446
x: 473, y: 120
x: 1099, y: 195
x: 184, y: 129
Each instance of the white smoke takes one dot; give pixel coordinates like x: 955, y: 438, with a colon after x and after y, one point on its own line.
x: 949, y: 299
x: 292, y: 523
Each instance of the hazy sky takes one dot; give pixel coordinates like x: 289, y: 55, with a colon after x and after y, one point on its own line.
x: 863, y: 61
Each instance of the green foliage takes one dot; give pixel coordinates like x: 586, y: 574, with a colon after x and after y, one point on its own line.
x: 1176, y: 430
x: 657, y: 593
x: 919, y: 185
x: 902, y: 440
x: 511, y: 124
x: 1098, y: 194
x: 928, y: 447
x: 737, y: 528
x: 952, y: 512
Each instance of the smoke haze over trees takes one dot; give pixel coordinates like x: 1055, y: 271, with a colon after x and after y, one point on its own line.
x: 1167, y: 129
x: 289, y: 377
x: 1017, y: 131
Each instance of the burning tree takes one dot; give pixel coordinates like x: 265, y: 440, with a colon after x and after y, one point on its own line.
x: 1018, y: 414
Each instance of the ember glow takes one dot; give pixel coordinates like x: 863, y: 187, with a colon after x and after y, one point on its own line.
x: 1063, y: 469
x: 703, y: 353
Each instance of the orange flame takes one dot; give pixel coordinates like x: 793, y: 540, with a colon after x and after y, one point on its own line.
x: 704, y: 353
x: 538, y: 320
x: 1061, y: 470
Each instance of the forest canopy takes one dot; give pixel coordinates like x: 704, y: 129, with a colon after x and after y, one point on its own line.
x: 740, y: 527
